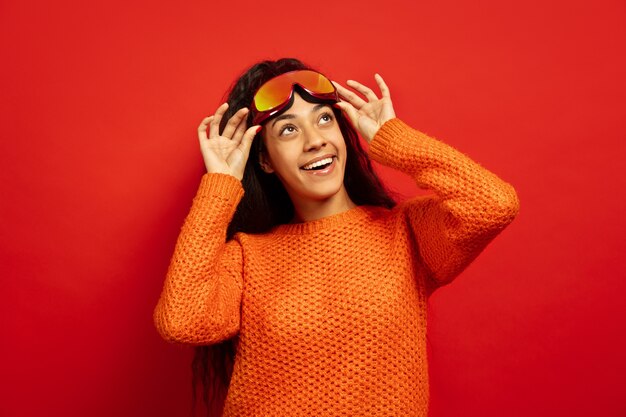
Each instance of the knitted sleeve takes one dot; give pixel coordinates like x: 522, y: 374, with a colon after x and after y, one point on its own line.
x: 470, y: 207
x: 201, y: 296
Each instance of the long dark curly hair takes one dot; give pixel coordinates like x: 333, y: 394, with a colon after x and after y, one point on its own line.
x: 266, y: 204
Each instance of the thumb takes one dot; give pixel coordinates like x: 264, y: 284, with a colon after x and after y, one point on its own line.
x: 349, y: 110
x: 248, y: 137
x: 363, y: 124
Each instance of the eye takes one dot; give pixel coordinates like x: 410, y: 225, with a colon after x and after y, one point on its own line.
x: 326, y: 118
x: 287, y: 129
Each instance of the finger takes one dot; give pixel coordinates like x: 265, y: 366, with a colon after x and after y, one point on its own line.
x: 202, y: 128
x: 233, y: 122
x: 241, y: 128
x: 214, y: 127
x: 248, y: 137
x: 350, y: 111
x: 366, y: 91
x: 384, y: 90
x: 349, y: 96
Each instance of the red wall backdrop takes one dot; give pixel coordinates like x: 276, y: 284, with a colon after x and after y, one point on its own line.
x: 99, y: 163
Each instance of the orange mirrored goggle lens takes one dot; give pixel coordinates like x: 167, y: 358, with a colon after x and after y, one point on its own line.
x: 278, y: 90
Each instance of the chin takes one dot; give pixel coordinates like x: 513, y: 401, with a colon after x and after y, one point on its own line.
x: 318, y: 191
x: 323, y: 192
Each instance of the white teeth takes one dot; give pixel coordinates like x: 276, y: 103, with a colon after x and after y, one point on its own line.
x: 318, y: 163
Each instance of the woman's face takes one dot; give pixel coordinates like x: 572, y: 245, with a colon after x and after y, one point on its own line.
x: 304, y: 147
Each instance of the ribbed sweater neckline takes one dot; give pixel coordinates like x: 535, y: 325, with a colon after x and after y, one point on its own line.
x: 343, y: 218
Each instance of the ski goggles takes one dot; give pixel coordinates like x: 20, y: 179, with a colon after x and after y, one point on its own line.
x: 276, y: 94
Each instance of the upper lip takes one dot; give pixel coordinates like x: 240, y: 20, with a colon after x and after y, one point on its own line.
x: 319, y: 158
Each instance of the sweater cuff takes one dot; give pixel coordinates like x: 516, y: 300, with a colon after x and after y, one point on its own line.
x: 385, y: 138
x: 220, y: 185
x: 396, y: 141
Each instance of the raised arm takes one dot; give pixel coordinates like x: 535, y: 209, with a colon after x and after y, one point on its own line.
x: 201, y: 297
x: 471, y: 205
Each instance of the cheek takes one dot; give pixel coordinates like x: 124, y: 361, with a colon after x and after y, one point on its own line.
x: 339, y: 142
x: 283, y: 157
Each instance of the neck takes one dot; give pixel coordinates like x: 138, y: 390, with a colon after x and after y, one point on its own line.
x: 316, y: 209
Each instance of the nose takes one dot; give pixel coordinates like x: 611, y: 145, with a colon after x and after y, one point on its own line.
x: 313, y: 140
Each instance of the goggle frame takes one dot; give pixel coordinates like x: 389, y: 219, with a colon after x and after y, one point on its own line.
x: 296, y: 77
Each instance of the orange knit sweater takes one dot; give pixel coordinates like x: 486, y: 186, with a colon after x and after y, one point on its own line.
x: 331, y: 314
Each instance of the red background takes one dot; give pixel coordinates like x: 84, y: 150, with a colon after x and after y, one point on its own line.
x: 99, y: 163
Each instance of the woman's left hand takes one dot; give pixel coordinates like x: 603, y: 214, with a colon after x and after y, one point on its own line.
x: 366, y: 116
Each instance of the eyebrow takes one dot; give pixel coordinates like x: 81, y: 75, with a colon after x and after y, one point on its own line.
x: 292, y: 116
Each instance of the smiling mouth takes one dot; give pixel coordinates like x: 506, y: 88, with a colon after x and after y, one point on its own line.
x: 319, y: 165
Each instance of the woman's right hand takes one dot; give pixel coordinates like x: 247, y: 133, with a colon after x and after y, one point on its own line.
x: 226, y: 153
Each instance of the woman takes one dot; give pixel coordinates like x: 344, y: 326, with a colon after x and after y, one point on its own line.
x: 294, y: 252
